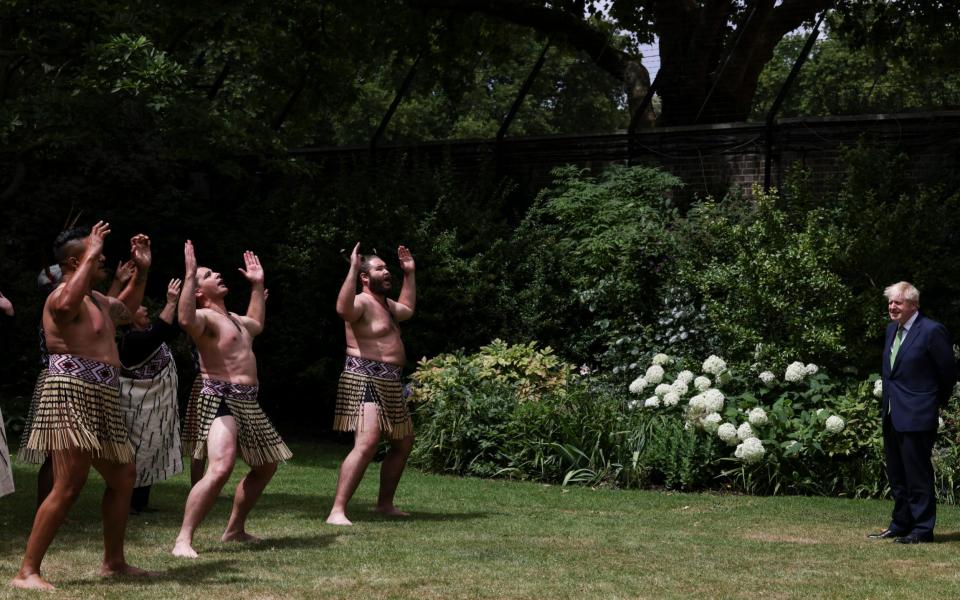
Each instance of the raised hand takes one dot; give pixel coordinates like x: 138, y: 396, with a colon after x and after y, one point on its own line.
x: 98, y: 232
x: 406, y: 260
x: 189, y: 261
x: 125, y: 270
x: 173, y: 290
x: 253, y: 271
x: 355, y: 258
x: 140, y: 252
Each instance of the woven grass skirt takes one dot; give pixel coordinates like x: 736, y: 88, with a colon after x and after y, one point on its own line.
x: 6, y: 473
x: 191, y: 420
x: 26, y: 455
x: 148, y: 400
x: 78, y: 408
x: 372, y: 381
x: 257, y: 439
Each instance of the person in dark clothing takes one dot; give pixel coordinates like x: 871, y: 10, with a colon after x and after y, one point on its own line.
x: 148, y: 396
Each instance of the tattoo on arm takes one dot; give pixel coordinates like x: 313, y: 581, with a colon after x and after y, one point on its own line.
x: 120, y: 313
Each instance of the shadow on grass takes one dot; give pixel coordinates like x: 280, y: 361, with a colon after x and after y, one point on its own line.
x: 284, y: 542
x: 193, y: 573
x: 945, y: 538
x: 364, y: 513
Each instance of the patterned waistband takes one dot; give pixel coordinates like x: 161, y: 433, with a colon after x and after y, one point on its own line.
x: 225, y: 389
x: 372, y: 368
x: 154, y: 365
x: 86, y: 369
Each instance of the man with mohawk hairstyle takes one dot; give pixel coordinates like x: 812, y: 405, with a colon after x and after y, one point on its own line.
x: 77, y: 417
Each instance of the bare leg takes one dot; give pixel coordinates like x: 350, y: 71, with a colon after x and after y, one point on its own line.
x: 222, y: 454
x: 196, y: 470
x: 116, y: 510
x: 247, y: 494
x: 355, y: 464
x: 44, y: 481
x: 390, y: 471
x: 70, y: 470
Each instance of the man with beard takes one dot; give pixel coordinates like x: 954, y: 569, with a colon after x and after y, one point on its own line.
x: 228, y: 414
x: 369, y: 395
x: 78, y: 418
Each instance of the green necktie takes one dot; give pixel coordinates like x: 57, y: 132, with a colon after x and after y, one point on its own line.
x: 896, y: 345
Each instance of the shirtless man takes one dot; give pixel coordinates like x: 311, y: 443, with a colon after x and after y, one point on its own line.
x: 78, y: 418
x: 229, y: 416
x: 369, y: 396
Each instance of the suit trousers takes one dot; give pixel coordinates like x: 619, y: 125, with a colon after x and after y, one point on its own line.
x: 910, y: 473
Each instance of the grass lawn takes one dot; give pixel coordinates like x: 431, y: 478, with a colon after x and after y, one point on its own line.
x: 472, y: 538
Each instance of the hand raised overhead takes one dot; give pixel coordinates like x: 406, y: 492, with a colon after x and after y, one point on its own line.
x: 189, y: 260
x: 173, y: 290
x: 125, y: 270
x: 253, y: 271
x: 140, y: 252
x: 98, y: 232
x: 406, y: 260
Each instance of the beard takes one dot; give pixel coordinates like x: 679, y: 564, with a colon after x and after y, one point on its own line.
x: 379, y: 287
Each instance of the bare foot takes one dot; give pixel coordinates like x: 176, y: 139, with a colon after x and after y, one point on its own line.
x: 241, y: 536
x: 31, y: 582
x: 338, y: 519
x: 391, y: 511
x: 183, y: 549
x: 125, y: 570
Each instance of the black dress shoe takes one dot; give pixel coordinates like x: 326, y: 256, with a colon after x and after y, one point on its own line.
x: 886, y: 533
x: 914, y: 538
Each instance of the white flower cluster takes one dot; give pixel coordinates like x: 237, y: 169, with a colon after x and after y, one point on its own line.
x: 751, y: 450
x: 711, y: 422
x: 661, y: 359
x: 713, y: 400
x: 767, y: 377
x: 745, y: 432
x: 728, y: 433
x: 834, y: 424
x: 685, y: 376
x: 702, y: 383
x: 811, y: 369
x: 941, y: 424
x: 632, y: 405
x: 796, y: 371
x: 671, y: 398
x: 714, y: 365
x: 651, y: 402
x: 654, y: 374
x: 662, y: 389
x: 637, y: 385
x: 757, y: 416
x: 878, y: 388
x: 680, y: 387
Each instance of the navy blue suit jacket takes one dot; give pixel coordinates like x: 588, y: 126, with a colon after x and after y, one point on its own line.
x: 922, y: 377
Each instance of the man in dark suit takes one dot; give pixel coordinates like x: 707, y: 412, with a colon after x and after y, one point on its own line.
x: 918, y: 372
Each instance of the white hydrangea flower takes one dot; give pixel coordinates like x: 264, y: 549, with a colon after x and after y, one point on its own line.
x: 714, y: 365
x: 680, y: 387
x: 811, y: 369
x: 632, y: 405
x: 654, y: 374
x: 745, y: 432
x: 796, y: 371
x: 834, y: 424
x: 636, y: 387
x: 751, y: 450
x: 820, y: 411
x: 662, y: 389
x: 702, y: 383
x: 697, y: 405
x: 757, y: 416
x: 767, y: 377
x: 711, y: 422
x: 728, y: 433
x: 878, y: 388
x: 685, y: 376
x: 651, y: 402
x: 671, y: 398
x: 713, y: 400
x: 941, y: 424
x: 661, y: 359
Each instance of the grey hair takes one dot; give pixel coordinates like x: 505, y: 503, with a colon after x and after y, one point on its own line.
x: 905, y: 290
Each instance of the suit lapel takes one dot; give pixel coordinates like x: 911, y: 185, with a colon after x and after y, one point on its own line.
x: 912, y: 335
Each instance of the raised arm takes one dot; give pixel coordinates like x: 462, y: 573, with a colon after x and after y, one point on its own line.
x: 407, y: 301
x: 348, y: 307
x: 68, y: 299
x: 191, y: 322
x: 6, y: 307
x: 121, y: 278
x: 169, y: 312
x: 142, y: 257
x: 256, y: 310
